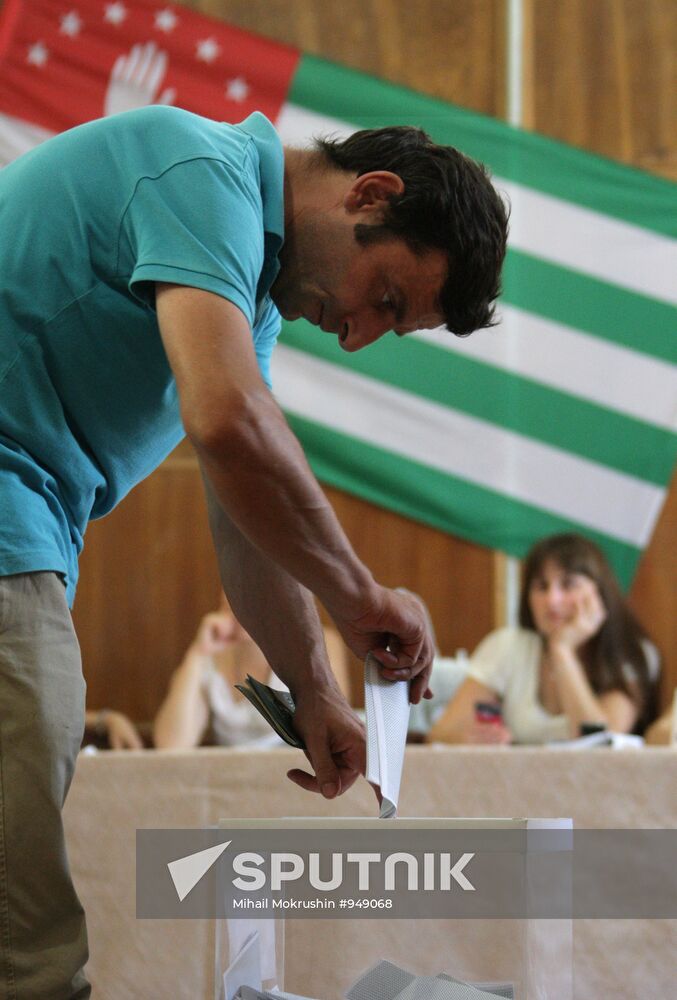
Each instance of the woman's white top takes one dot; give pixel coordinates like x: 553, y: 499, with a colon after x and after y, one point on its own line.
x: 234, y: 721
x: 508, y: 661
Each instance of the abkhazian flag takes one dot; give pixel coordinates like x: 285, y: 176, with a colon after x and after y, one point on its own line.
x: 563, y: 417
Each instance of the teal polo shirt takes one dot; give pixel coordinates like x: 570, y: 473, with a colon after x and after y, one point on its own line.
x: 90, y: 221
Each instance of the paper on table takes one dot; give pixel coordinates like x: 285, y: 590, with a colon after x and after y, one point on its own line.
x: 387, y: 712
x: 606, y: 738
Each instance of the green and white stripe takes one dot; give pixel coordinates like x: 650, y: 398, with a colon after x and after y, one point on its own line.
x: 562, y: 417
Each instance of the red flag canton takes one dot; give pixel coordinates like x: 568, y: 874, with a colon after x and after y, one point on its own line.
x: 63, y: 63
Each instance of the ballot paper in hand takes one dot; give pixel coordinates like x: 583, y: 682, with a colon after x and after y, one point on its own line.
x: 276, y: 707
x: 387, y: 712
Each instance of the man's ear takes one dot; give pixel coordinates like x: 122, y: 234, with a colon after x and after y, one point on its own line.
x: 372, y: 191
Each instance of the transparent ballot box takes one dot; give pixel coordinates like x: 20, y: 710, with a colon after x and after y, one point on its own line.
x: 310, y: 905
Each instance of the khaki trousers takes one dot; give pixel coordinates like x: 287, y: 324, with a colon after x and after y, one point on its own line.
x: 43, y: 941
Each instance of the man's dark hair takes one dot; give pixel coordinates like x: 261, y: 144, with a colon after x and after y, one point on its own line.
x: 448, y: 203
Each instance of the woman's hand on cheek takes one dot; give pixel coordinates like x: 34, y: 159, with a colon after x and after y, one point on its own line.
x: 588, y: 617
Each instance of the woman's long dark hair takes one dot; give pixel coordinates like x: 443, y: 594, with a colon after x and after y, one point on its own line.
x: 619, y: 641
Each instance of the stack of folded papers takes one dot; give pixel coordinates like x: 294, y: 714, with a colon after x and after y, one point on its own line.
x: 276, y: 707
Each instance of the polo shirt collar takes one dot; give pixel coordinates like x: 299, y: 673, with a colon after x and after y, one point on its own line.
x: 271, y: 158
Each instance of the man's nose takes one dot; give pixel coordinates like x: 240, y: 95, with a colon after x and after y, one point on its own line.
x: 365, y: 329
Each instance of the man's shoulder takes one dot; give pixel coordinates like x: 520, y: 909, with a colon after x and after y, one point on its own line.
x: 163, y: 122
x: 166, y: 118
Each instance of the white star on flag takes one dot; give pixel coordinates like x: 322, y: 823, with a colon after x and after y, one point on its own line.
x: 37, y: 55
x: 115, y: 13
x: 165, y: 20
x: 237, y: 89
x: 207, y: 50
x: 71, y: 24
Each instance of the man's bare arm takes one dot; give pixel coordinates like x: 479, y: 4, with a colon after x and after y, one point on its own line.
x: 265, y: 487
x: 257, y: 467
x: 280, y: 615
x: 275, y: 609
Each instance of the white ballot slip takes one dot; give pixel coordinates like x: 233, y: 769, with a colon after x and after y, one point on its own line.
x: 245, y: 969
x: 240, y: 932
x: 387, y: 712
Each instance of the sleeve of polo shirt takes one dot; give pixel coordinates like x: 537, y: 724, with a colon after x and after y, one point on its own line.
x: 199, y: 224
x: 266, y: 333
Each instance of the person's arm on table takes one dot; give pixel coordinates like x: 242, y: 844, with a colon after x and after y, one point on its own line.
x: 614, y: 709
x: 458, y: 723
x: 120, y: 731
x: 265, y: 487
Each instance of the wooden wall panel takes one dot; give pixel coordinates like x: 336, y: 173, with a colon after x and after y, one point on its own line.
x: 604, y: 77
x: 453, y: 49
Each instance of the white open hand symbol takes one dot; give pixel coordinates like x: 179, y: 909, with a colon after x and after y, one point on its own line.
x: 136, y: 78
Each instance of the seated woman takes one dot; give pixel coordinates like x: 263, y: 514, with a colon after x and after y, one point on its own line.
x: 202, y: 704
x: 579, y: 656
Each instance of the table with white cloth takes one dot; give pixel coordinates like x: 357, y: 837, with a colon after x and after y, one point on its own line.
x: 116, y: 793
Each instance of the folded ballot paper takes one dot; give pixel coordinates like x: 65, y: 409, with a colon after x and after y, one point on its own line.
x: 385, y: 981
x: 387, y: 711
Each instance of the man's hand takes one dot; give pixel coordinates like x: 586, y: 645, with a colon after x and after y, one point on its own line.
x: 334, y: 739
x: 396, y: 630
